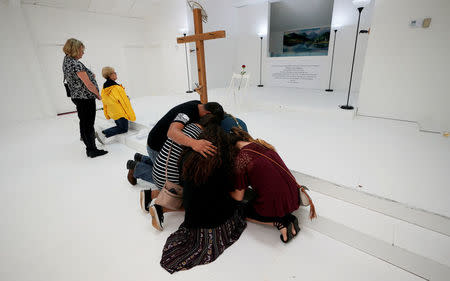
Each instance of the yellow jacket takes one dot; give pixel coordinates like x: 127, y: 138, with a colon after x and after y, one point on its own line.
x: 116, y: 103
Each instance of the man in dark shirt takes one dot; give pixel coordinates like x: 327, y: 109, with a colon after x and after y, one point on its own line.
x: 171, y: 126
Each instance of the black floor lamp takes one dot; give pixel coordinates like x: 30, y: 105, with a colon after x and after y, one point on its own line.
x: 187, y: 68
x: 260, y: 63
x: 360, y: 4
x: 332, y: 60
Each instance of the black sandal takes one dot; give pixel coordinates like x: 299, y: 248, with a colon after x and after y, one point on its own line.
x: 293, y: 219
x: 284, y: 224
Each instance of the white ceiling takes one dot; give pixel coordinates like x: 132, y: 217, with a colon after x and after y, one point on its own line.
x: 127, y: 8
x: 243, y: 3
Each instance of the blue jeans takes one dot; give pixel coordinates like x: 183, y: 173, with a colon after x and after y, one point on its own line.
x: 122, y: 127
x: 144, y: 169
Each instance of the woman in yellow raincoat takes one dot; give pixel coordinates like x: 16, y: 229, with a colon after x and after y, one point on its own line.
x: 116, y: 105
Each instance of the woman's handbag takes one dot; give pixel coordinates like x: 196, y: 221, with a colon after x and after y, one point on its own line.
x: 66, y: 85
x: 305, y: 200
x: 171, y: 195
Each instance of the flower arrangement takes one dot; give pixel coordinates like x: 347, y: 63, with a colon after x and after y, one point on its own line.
x: 243, y: 69
x: 242, y: 75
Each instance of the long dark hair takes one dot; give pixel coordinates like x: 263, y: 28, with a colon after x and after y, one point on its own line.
x: 197, y: 169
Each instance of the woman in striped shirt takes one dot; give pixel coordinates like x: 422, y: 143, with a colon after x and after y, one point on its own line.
x: 192, y: 130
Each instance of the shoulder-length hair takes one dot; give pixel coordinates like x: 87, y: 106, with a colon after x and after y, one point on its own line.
x: 73, y: 47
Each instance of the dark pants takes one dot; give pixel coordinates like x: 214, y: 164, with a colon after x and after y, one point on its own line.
x: 250, y: 212
x: 122, y: 127
x: 86, y: 113
x: 81, y: 138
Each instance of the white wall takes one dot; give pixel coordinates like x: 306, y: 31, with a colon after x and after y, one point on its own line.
x: 407, y: 69
x: 23, y: 91
x: 166, y: 20
x: 144, y: 53
x: 345, y: 18
x: 241, y: 45
x: 106, y: 38
x: 244, y: 23
x: 219, y: 53
x: 252, y: 20
x: 148, y: 60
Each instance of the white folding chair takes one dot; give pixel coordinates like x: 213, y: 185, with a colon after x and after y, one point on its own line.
x: 237, y: 88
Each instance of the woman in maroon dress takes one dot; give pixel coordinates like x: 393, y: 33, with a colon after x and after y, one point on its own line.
x: 277, y: 193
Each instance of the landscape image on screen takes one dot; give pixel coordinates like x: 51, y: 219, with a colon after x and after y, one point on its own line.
x: 306, y: 42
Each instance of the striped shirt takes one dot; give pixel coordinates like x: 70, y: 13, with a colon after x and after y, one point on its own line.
x: 159, y: 169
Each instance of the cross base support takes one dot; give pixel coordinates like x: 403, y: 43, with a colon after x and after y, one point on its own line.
x: 346, y: 107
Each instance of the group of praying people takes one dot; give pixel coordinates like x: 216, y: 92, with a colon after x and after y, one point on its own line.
x: 203, y: 162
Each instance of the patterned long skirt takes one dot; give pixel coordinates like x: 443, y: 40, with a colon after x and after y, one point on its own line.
x: 188, y: 247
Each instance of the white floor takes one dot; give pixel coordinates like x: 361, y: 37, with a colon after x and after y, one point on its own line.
x: 67, y: 217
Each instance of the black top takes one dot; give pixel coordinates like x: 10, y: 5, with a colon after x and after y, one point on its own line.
x: 208, y: 205
x: 109, y: 83
x: 184, y: 113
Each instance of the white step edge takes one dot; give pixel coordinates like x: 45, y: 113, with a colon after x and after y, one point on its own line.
x: 410, y: 262
x: 419, y: 217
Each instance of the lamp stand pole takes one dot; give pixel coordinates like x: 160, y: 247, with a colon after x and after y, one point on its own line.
x: 260, y: 63
x: 332, y: 60
x: 187, y: 68
x: 349, y: 107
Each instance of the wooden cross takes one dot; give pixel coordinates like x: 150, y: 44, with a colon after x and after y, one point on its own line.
x: 198, y: 38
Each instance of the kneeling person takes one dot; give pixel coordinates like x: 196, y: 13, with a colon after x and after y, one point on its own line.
x: 116, y: 106
x: 166, y: 168
x: 171, y: 126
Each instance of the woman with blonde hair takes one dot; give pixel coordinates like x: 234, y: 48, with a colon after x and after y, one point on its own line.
x: 83, y: 91
x: 258, y: 165
x: 116, y: 105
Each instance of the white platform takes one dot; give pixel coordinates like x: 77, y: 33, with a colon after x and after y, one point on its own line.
x: 66, y: 217
x: 387, y: 158
x: 334, y: 151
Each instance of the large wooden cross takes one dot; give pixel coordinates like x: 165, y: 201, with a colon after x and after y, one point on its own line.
x: 198, y: 38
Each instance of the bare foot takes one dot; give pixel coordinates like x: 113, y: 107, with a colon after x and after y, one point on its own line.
x: 293, y: 230
x: 283, y: 232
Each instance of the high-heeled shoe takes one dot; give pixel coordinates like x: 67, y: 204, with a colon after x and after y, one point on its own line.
x: 284, y: 224
x: 293, y: 219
